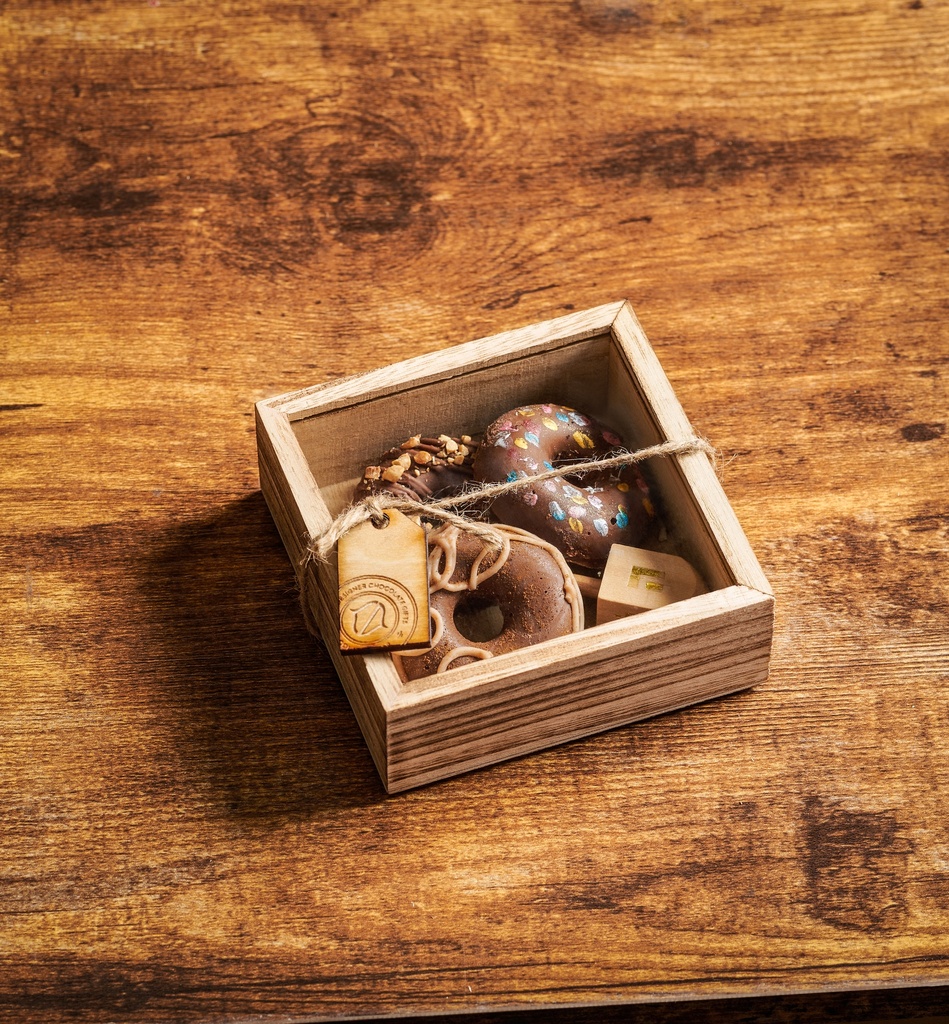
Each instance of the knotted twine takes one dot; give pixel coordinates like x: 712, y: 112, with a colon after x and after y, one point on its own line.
x: 373, y: 507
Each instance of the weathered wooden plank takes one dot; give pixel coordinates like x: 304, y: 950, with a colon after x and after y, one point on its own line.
x: 201, y: 210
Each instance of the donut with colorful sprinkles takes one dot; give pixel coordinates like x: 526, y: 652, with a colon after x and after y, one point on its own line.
x: 583, y: 518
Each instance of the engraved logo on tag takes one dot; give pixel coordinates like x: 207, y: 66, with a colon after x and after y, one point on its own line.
x: 376, y: 611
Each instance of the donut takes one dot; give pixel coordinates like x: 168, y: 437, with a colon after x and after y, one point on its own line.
x: 483, y: 603
x: 582, y: 518
x: 421, y: 468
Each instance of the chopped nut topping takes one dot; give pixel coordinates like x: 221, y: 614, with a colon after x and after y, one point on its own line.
x: 459, y: 459
x: 413, y: 442
x: 393, y: 473
x: 451, y: 446
x: 466, y: 439
x: 464, y: 450
x: 422, y: 458
x: 372, y: 473
x: 405, y: 461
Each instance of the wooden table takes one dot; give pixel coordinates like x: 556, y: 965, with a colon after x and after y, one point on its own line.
x: 205, y: 205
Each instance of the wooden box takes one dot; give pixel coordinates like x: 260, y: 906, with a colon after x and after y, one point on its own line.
x: 313, y: 445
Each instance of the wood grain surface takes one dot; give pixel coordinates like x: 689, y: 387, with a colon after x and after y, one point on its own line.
x: 205, y: 205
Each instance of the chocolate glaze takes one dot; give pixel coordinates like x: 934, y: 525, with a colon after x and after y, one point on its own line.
x: 528, y: 582
x: 421, y: 468
x: 582, y: 518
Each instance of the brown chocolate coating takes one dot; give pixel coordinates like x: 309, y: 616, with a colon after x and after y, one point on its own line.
x: 421, y: 468
x: 582, y: 518
x: 529, y: 588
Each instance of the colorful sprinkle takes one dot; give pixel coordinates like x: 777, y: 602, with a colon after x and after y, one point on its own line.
x: 622, y: 486
x: 512, y: 476
x: 601, y: 526
x: 649, y: 507
x: 612, y: 439
x: 532, y: 438
x: 520, y: 442
x: 622, y: 519
x: 529, y: 498
x: 594, y: 501
x: 547, y: 409
x: 583, y: 440
x: 549, y: 423
x: 576, y: 526
x: 548, y: 465
x: 557, y: 512
x: 563, y: 417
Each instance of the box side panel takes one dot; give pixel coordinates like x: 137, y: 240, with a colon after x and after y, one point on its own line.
x: 694, y: 504
x: 678, y: 505
x: 338, y: 444
x: 721, y: 523
x: 420, y: 371
x: 291, y: 492
x: 367, y: 705
x: 287, y: 483
x: 545, y: 704
x: 665, y: 414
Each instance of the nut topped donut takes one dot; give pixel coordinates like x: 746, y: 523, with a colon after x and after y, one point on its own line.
x: 421, y: 468
x: 485, y: 603
x: 582, y: 518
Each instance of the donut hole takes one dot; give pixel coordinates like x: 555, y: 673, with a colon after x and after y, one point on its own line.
x: 569, y: 458
x: 478, y: 618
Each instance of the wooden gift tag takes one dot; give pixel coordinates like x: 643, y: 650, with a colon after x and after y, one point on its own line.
x: 383, y: 586
x: 636, y: 580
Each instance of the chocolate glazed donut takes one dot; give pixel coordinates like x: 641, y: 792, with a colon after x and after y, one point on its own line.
x: 582, y: 518
x: 483, y: 604
x: 421, y: 468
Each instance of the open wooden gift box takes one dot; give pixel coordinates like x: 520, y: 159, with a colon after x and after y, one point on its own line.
x: 314, y: 444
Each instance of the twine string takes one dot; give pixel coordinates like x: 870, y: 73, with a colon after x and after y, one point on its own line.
x: 372, y: 508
